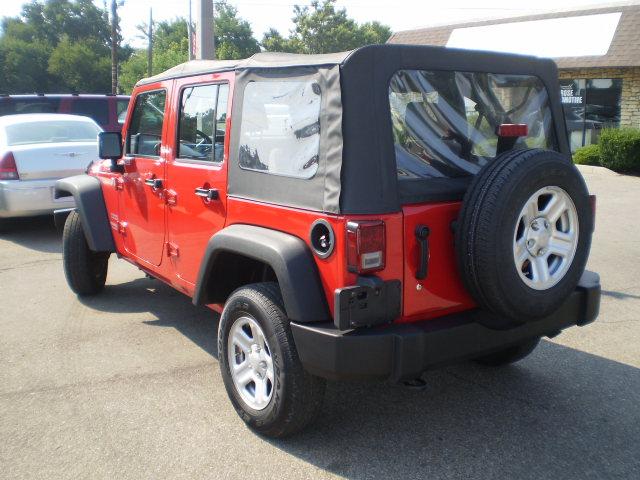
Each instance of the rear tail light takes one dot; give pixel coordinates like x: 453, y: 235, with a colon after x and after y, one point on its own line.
x: 8, y: 168
x: 513, y: 130
x: 365, y: 246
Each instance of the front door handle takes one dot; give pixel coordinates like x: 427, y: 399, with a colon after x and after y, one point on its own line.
x: 422, y: 236
x: 154, y: 183
x: 208, y: 193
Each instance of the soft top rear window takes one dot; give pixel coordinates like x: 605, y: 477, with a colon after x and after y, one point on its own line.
x: 444, y: 122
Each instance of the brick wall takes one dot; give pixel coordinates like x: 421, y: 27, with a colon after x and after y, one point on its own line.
x: 630, y: 101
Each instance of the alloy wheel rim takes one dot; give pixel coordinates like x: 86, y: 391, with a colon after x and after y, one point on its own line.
x: 250, y: 362
x: 545, y: 238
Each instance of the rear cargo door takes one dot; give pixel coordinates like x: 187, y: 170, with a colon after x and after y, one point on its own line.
x: 438, y: 288
x: 445, y: 127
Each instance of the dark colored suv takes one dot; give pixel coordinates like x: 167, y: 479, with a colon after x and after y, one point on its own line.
x: 367, y: 214
x: 108, y: 111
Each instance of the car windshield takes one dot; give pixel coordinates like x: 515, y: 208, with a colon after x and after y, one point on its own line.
x: 55, y: 131
x: 445, y: 123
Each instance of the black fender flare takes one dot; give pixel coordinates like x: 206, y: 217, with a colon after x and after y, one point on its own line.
x: 288, y: 256
x: 87, y: 192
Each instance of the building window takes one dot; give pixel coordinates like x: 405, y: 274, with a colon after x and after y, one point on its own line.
x: 589, y: 106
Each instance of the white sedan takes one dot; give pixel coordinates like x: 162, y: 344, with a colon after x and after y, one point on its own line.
x: 35, y: 151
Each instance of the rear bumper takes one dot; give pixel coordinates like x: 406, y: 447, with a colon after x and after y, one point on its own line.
x: 404, y: 351
x: 25, y: 198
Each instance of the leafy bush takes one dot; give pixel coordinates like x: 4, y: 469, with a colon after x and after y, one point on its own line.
x: 589, y: 155
x: 620, y: 149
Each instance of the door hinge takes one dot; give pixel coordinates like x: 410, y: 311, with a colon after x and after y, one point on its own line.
x: 172, y: 250
x: 170, y: 197
x: 118, y: 183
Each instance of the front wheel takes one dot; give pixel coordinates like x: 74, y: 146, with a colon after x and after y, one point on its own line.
x: 262, y: 373
x: 85, y: 270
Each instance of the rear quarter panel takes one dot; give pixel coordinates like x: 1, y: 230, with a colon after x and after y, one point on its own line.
x: 332, y: 270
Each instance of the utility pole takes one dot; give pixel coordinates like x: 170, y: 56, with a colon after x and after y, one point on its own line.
x: 114, y: 47
x: 150, y: 45
x: 205, y: 47
x: 190, y: 33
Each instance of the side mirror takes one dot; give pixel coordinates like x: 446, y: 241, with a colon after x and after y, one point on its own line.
x: 110, y: 148
x: 110, y: 145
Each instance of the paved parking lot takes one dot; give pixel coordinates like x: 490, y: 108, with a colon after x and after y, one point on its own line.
x: 126, y: 385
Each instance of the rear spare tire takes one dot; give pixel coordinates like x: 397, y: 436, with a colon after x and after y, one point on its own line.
x: 524, y: 234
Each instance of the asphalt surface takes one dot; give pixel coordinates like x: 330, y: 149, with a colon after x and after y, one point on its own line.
x: 126, y: 385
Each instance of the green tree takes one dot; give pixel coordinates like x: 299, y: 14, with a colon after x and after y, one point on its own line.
x: 273, y: 41
x: 81, y: 66
x: 56, y: 45
x: 372, y: 33
x: 76, y: 20
x: 23, y: 67
x: 233, y: 35
x: 321, y: 28
x: 170, y: 48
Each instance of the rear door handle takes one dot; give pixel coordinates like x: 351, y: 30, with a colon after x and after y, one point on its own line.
x: 208, y: 193
x: 154, y: 183
x: 422, y: 236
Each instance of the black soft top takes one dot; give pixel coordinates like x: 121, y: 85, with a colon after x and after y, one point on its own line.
x: 258, y: 60
x: 357, y: 169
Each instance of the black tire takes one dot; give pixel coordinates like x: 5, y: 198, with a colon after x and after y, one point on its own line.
x: 296, y: 396
x: 85, y: 270
x: 509, y: 355
x: 485, y: 234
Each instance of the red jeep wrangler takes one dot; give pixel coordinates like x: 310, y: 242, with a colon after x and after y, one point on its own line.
x: 369, y: 214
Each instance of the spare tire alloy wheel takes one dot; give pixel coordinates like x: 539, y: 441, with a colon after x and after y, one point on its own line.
x: 523, y: 235
x: 546, y: 238
x: 250, y: 362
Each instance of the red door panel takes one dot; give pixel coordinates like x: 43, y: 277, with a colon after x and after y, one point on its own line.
x: 442, y: 290
x: 192, y: 218
x: 142, y: 204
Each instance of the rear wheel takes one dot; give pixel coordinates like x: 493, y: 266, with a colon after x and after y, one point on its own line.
x: 510, y: 354
x: 262, y: 373
x: 85, y: 270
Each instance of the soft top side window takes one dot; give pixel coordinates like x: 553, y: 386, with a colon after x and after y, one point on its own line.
x: 280, y: 131
x: 144, y: 134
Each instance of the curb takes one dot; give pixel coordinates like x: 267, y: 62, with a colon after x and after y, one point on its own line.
x: 599, y: 171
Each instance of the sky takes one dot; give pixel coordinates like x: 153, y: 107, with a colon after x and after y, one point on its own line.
x: 398, y: 14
